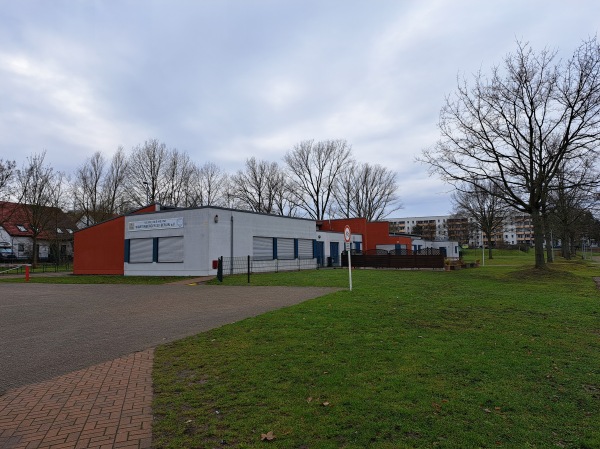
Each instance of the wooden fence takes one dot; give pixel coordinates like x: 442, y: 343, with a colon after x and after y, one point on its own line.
x: 391, y: 260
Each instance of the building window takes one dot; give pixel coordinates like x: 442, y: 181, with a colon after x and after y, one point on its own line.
x: 21, y: 228
x: 21, y: 247
x: 285, y: 249
x: 305, y: 249
x: 140, y: 250
x: 170, y: 249
x: 70, y: 231
x: 262, y: 248
x: 59, y: 231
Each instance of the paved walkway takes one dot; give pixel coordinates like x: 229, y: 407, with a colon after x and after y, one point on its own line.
x: 104, y: 406
x: 50, y: 333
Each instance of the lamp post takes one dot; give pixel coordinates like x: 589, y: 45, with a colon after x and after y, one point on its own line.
x: 147, y: 192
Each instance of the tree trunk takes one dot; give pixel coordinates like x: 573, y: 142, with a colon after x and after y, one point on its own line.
x: 34, y: 255
x: 549, y: 255
x: 538, y: 235
x: 547, y: 239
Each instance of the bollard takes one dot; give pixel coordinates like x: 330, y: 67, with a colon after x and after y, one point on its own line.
x: 26, y: 273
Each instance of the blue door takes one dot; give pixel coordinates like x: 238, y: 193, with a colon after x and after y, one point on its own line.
x: 334, y: 253
x: 320, y: 253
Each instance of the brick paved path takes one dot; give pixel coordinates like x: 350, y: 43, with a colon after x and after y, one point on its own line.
x: 51, y: 330
x: 104, y: 406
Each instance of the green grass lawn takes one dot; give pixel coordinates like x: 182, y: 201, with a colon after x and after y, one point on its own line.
x: 497, y: 356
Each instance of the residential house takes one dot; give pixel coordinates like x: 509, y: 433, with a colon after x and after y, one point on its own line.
x: 49, y: 228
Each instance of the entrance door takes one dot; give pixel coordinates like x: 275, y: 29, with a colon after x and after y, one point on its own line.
x: 334, y: 253
x: 320, y: 253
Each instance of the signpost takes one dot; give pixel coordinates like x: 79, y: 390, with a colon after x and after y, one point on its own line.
x: 347, y: 235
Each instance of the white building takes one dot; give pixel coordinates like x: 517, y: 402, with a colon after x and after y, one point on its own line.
x: 189, y: 242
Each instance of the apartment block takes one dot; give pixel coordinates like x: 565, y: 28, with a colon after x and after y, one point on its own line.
x: 517, y: 230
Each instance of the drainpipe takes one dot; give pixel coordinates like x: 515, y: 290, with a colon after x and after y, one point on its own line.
x: 231, y: 249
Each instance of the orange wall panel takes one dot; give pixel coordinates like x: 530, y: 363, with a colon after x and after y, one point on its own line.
x: 100, y: 249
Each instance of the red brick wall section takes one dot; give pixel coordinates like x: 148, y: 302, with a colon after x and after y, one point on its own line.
x: 374, y: 233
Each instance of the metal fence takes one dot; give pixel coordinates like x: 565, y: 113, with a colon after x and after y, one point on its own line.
x: 14, y: 268
x: 244, y: 265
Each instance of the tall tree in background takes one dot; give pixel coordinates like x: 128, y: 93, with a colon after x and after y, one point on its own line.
x: 569, y: 208
x: 344, y: 190
x: 314, y: 168
x: 86, y: 188
x: 257, y: 187
x: 40, y: 192
x: 176, y: 176
x: 484, y: 208
x: 375, y: 192
x: 517, y: 128
x: 147, y: 163
x: 365, y: 190
x: 114, y: 185
x: 7, y: 172
x: 208, y: 186
x: 98, y: 187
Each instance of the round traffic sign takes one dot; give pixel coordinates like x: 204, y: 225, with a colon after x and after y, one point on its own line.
x: 347, y: 234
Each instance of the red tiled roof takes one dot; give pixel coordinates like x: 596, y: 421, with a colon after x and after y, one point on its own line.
x: 13, y: 215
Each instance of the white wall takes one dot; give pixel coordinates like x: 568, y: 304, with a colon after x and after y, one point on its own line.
x: 207, y: 239
x: 329, y: 236
x: 452, y: 248
x: 27, y: 244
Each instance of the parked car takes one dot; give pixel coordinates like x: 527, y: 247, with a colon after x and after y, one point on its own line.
x: 7, y: 255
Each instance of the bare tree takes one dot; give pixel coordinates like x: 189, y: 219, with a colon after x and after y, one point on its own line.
x: 229, y: 198
x: 7, y: 172
x: 207, y: 186
x: 314, y: 167
x: 39, y: 189
x: 146, y: 166
x: 256, y: 188
x: 365, y: 190
x: 284, y: 199
x: 375, y: 192
x: 114, y: 185
x: 568, y: 209
x: 518, y: 127
x: 485, y: 209
x: 86, y: 189
x: 98, y: 187
x: 176, y: 176
x: 344, y: 190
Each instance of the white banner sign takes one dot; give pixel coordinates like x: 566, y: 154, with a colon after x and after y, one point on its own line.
x: 159, y: 223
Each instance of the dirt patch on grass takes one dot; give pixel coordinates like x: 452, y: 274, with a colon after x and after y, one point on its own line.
x: 542, y: 274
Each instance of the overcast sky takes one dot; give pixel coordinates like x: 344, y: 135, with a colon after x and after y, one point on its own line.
x: 226, y: 80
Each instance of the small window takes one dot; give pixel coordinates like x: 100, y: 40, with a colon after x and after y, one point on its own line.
x: 70, y: 231
x: 59, y: 231
x: 21, y: 247
x: 21, y: 228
